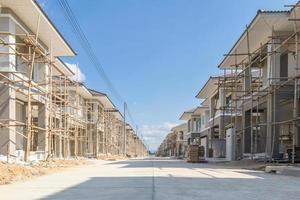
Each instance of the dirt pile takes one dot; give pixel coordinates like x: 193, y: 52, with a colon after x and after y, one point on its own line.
x: 111, y: 157
x: 14, y: 172
x: 17, y: 172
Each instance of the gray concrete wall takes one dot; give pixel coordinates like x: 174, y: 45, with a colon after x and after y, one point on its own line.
x: 7, y: 116
x: 7, y: 94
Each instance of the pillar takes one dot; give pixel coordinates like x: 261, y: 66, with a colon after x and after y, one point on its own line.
x: 42, y: 123
x: 7, y: 93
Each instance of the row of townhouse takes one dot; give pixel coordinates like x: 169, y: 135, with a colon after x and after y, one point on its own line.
x: 44, y: 111
x: 175, y: 143
x: 251, y: 110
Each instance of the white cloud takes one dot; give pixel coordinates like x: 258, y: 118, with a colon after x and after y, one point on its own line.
x: 79, y: 76
x: 154, y: 134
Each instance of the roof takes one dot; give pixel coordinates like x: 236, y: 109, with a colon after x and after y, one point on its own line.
x: 29, y: 11
x: 63, y: 68
x: 96, y: 93
x: 209, y: 88
x: 118, y: 115
x: 107, y: 103
x: 205, y: 102
x: 259, y: 31
x: 128, y: 127
x: 195, y: 111
x: 83, y: 91
x: 185, y: 115
x: 104, y: 99
x: 180, y: 127
x: 200, y: 109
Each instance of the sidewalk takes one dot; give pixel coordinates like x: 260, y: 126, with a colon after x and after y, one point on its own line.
x: 284, y: 170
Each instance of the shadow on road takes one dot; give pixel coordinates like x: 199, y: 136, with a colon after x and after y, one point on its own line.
x: 173, y: 179
x: 150, y: 162
x: 170, y: 188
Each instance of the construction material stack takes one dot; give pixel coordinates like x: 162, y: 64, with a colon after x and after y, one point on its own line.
x: 193, y: 154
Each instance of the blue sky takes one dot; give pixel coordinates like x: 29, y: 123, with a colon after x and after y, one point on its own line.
x: 157, y: 53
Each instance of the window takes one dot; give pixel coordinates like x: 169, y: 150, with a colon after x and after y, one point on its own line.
x: 228, y: 101
x: 198, y: 124
x: 203, y: 121
x: 284, y: 66
x: 180, y: 135
x: 195, y: 124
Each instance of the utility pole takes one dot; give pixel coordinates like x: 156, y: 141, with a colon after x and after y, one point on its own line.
x: 124, y: 137
x: 136, y: 143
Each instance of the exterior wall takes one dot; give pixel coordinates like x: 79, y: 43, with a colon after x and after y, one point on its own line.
x: 267, y: 140
x: 95, y: 129
x: 175, y: 143
x: 7, y: 113
x: 8, y: 95
x: 217, y: 123
x: 14, y: 109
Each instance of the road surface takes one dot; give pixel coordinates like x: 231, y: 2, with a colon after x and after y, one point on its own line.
x: 158, y: 179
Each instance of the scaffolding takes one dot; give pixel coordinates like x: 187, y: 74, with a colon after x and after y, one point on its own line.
x: 42, y: 111
x: 33, y: 90
x: 50, y: 122
x: 264, y: 107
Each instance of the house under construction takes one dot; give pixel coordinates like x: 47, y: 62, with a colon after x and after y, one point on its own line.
x: 261, y: 72
x: 254, y: 104
x: 44, y: 111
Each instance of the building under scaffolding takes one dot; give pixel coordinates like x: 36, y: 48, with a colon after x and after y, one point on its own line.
x: 254, y: 104
x: 262, y: 73
x: 44, y: 111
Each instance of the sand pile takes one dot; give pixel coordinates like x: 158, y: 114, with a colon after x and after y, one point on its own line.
x: 111, y: 157
x: 16, y: 172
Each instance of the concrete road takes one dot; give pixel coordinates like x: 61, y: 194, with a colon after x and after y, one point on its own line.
x: 158, y: 179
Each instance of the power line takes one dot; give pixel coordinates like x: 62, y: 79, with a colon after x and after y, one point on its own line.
x: 84, y: 42
x: 71, y: 18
